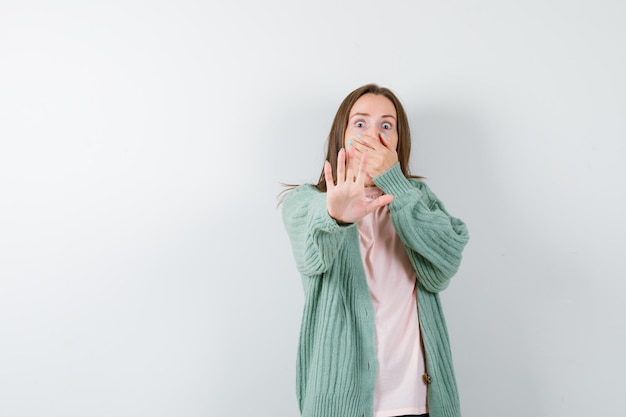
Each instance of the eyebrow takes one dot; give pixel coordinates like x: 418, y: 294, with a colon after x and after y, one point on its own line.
x: 367, y: 114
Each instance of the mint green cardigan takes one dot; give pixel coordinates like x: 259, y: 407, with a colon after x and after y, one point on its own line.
x: 336, y: 365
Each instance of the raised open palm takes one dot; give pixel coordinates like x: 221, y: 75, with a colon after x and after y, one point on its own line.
x: 346, y: 200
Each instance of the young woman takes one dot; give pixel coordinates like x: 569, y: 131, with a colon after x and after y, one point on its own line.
x: 374, y: 247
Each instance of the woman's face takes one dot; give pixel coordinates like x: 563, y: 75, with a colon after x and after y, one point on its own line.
x: 370, y: 116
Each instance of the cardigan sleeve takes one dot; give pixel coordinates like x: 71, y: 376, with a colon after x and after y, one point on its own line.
x: 434, y: 239
x: 315, y: 236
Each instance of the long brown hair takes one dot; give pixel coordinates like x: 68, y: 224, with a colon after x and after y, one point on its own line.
x: 340, y: 123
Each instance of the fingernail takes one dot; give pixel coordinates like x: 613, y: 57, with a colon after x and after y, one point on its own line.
x: 358, y: 136
x: 350, y: 142
x: 384, y: 135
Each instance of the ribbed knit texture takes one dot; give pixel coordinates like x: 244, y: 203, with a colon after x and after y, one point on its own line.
x: 336, y: 368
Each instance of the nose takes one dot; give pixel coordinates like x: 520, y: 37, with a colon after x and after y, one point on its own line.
x: 372, y: 131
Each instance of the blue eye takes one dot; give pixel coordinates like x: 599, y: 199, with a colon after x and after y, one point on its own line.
x: 360, y: 123
x: 386, y: 125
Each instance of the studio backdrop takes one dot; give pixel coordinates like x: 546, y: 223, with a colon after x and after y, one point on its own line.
x: 144, y: 267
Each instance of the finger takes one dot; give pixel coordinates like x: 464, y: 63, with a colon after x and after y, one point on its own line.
x: 384, y: 140
x: 361, y: 148
x: 362, y: 168
x: 355, y: 148
x: 352, y: 161
x: 365, y: 140
x: 381, y: 201
x: 328, y: 175
x: 341, y: 166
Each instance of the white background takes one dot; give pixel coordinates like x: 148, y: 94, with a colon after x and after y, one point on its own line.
x: 144, y: 268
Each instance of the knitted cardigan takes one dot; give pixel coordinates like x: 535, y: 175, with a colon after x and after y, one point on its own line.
x: 336, y: 365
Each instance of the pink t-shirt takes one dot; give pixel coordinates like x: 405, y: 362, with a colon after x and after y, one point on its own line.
x: 400, y: 388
